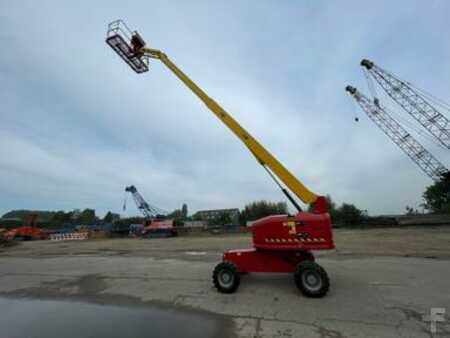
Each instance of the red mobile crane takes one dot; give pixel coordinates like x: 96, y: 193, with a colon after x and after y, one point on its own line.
x: 155, y: 223
x: 281, y: 243
x: 29, y: 231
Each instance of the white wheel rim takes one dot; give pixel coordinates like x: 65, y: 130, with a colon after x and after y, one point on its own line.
x: 226, y: 278
x: 312, y: 280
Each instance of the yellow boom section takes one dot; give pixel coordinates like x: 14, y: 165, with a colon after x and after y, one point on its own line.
x: 261, y: 154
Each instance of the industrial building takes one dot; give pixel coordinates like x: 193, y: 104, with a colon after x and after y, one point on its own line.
x: 209, y: 215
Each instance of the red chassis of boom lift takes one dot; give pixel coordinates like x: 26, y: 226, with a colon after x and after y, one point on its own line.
x: 282, y: 243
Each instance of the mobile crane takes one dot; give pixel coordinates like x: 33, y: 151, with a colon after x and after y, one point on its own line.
x: 155, y: 223
x: 400, y: 136
x: 150, y: 212
x: 281, y: 243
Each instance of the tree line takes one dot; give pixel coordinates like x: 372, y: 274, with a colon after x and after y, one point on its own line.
x: 57, y: 219
x: 436, y: 199
x: 437, y: 196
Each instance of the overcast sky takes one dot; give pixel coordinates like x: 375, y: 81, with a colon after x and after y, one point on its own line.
x: 77, y: 125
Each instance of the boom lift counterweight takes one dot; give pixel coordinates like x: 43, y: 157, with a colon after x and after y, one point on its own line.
x: 282, y: 243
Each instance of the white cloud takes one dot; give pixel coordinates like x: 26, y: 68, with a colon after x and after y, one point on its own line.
x: 78, y: 125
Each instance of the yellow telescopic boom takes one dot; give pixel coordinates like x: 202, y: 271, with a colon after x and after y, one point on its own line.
x: 136, y: 55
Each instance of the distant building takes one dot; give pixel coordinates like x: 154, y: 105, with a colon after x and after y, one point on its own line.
x: 195, y: 224
x: 210, y: 215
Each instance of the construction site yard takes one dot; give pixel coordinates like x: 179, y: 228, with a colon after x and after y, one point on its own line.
x: 425, y: 242
x: 384, y: 282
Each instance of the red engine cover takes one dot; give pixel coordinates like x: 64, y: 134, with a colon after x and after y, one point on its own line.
x: 303, y: 231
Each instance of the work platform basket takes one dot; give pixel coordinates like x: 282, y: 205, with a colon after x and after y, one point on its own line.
x: 127, y: 44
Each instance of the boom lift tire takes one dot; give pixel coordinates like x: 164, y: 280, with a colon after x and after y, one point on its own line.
x: 311, y: 279
x: 226, y: 277
x: 308, y: 256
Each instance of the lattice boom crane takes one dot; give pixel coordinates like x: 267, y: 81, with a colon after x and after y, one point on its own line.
x: 422, y: 157
x: 412, y: 102
x: 147, y: 210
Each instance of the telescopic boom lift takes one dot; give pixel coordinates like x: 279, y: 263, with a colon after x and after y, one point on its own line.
x: 282, y: 243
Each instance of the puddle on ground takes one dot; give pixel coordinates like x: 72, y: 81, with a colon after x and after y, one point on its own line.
x: 34, y: 318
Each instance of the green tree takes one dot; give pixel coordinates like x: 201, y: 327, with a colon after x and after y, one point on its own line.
x: 110, y: 217
x: 87, y: 216
x: 411, y: 211
x: 61, y: 218
x: 437, y: 197
x: 184, y: 211
x: 259, y: 209
x: 176, y: 214
x: 43, y: 215
x: 348, y: 214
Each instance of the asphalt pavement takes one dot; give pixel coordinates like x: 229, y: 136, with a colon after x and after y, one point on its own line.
x: 369, y: 296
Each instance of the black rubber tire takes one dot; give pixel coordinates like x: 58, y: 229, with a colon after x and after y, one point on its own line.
x: 308, y: 256
x: 321, y: 283
x: 226, y: 269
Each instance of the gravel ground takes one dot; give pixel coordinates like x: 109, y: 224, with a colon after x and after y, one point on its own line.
x: 432, y: 242
x: 384, y: 282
